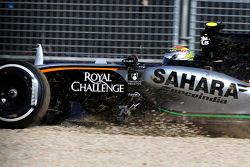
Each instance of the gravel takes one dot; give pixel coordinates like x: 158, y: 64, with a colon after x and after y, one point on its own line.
x: 156, y: 140
x: 82, y: 146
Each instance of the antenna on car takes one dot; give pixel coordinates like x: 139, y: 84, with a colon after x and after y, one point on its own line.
x: 39, y: 55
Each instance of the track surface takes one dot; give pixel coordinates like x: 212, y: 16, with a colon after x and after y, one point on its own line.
x: 127, y: 145
x: 154, y: 140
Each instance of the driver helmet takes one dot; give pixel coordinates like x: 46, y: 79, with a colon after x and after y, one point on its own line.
x: 178, y: 53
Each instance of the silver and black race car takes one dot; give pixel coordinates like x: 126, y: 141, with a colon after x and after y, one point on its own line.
x: 182, y: 85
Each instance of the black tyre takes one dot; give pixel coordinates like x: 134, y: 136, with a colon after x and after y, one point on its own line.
x: 24, y: 95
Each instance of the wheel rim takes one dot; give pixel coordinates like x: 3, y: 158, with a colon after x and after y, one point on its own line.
x: 19, y: 89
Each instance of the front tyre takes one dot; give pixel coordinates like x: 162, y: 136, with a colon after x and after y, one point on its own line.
x: 24, y: 95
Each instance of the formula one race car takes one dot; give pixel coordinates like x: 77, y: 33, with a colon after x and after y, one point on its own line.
x: 29, y: 93
x: 215, y: 85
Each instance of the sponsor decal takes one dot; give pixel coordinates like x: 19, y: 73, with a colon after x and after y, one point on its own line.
x: 133, y: 78
x: 205, y: 41
x: 134, y: 94
x: 3, y: 100
x: 199, y: 88
x: 97, y: 82
x: 123, y: 113
x: 128, y: 60
x: 200, y: 96
x: 123, y: 109
x: 134, y: 107
x: 242, y: 87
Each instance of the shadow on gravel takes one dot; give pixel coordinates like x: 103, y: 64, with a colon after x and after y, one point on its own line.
x: 225, y: 128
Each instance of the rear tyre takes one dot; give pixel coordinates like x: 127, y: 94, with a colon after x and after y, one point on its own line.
x: 24, y: 95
